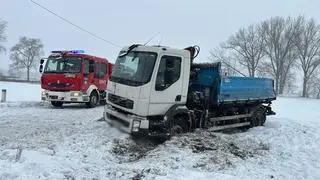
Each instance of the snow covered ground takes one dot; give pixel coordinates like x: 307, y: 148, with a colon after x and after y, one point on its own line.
x: 41, y: 142
x: 21, y: 91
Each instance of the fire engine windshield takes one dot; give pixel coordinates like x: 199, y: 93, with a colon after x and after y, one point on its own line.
x: 134, y: 69
x: 63, y: 65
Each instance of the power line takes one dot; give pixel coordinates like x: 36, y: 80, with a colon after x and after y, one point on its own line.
x: 151, y: 38
x: 77, y: 26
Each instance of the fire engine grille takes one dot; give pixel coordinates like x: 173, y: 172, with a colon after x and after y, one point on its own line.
x: 53, y: 97
x: 59, y: 85
x: 127, y: 103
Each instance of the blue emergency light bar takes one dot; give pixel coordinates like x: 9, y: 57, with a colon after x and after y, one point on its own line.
x: 71, y: 51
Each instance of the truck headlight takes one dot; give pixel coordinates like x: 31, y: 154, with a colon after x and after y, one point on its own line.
x: 135, y: 129
x: 135, y: 125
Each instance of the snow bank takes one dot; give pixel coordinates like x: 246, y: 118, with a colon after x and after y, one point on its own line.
x: 21, y: 91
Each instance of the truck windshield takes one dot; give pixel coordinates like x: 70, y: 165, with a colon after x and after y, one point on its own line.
x: 63, y: 65
x: 134, y: 69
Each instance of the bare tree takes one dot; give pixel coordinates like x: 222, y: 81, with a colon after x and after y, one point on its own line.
x: 291, y: 87
x: 14, y: 72
x: 25, y: 54
x: 279, y: 36
x: 248, y: 45
x: 314, y: 84
x: 308, y: 49
x: 228, y: 61
x: 317, y: 86
x: 3, y: 37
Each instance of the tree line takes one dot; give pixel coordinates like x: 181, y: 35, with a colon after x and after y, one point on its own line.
x: 277, y: 47
x: 25, y: 54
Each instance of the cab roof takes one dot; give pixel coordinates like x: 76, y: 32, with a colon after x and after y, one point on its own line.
x: 80, y: 55
x: 159, y: 49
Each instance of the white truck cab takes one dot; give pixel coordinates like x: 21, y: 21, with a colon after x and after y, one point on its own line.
x: 146, y: 82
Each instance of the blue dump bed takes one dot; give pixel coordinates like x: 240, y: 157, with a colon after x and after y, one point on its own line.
x: 226, y: 89
x: 245, y: 88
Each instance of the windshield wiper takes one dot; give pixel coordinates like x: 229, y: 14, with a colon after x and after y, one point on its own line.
x: 125, y: 81
x: 129, y: 50
x: 119, y: 79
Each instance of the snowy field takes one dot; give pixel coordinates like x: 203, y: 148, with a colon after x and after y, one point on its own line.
x: 21, y: 91
x: 41, y: 142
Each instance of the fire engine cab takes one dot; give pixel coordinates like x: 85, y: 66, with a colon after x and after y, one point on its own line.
x: 74, y: 77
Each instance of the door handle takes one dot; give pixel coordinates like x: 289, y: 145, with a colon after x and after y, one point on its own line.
x: 178, y: 98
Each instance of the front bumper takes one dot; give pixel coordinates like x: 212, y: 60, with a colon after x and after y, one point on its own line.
x: 69, y: 96
x: 126, y: 122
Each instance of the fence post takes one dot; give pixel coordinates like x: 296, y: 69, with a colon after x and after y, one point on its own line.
x: 3, y: 95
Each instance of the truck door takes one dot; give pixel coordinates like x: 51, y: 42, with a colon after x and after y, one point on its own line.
x: 103, y: 76
x: 100, y: 73
x: 96, y: 73
x: 167, y: 89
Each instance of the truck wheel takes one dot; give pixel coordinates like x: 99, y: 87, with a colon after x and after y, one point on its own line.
x: 56, y: 103
x: 178, y: 125
x: 258, y: 117
x: 93, y: 101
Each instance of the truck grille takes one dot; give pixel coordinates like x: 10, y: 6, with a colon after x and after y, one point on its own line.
x: 127, y: 103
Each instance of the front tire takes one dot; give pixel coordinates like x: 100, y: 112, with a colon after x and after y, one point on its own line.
x: 56, y: 103
x: 93, y: 101
x: 178, y: 126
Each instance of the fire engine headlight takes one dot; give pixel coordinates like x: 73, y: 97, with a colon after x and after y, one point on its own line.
x: 76, y: 94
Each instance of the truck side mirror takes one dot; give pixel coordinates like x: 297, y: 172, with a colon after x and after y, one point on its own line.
x: 41, y: 65
x: 162, y: 82
x: 41, y: 68
x: 42, y: 61
x: 160, y: 87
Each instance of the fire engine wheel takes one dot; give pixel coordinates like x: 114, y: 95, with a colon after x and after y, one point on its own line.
x: 258, y: 117
x: 56, y: 103
x: 93, y: 101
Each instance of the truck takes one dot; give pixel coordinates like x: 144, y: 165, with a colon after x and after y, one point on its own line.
x: 74, y: 77
x: 158, y: 91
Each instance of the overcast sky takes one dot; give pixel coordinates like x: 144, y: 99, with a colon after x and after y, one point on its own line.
x: 181, y: 23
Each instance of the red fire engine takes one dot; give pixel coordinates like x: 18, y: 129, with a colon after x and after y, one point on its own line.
x: 74, y: 77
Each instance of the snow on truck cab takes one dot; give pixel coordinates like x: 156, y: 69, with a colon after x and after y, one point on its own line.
x: 159, y: 91
x: 74, y: 77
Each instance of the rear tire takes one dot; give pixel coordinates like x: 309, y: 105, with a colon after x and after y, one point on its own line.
x: 56, y: 103
x: 259, y: 117
x: 93, y: 101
